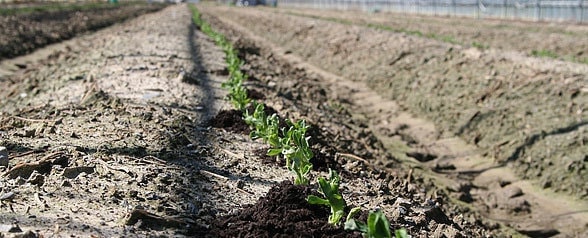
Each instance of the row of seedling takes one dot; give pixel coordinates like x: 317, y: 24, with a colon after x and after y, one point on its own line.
x: 291, y: 143
x: 237, y: 92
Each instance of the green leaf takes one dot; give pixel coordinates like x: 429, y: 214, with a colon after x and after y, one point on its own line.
x: 352, y: 213
x: 274, y: 152
x: 401, y: 233
x: 378, y: 226
x: 353, y: 225
x: 336, y: 217
x: 330, y: 189
x: 312, y: 199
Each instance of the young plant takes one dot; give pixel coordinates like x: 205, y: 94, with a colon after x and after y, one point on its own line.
x: 263, y: 126
x: 330, y: 190
x: 294, y: 146
x: 238, y: 97
x: 377, y: 226
x: 237, y: 93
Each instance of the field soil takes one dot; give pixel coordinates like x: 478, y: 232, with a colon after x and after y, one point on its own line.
x: 495, y: 120
x: 124, y: 132
x: 115, y: 133
x: 562, y: 41
x: 518, y: 110
x: 21, y: 33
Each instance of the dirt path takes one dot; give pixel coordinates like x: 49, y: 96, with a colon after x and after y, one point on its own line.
x: 558, y: 40
x: 107, y: 137
x: 464, y: 169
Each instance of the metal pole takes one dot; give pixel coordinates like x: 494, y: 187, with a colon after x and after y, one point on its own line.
x: 478, y: 9
x: 581, y: 11
x: 504, y: 9
x: 453, y: 4
x: 538, y: 6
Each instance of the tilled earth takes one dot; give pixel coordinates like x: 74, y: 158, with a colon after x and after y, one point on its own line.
x: 110, y: 136
x: 124, y: 132
x: 494, y: 128
x: 23, y: 32
x: 564, y: 41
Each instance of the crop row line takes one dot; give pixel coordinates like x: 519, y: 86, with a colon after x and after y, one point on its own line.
x: 292, y: 143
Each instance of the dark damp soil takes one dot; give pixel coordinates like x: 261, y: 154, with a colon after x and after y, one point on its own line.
x: 230, y: 120
x: 255, y: 95
x: 283, y: 212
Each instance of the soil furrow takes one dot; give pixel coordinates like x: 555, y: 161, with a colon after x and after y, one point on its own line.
x: 559, y: 40
x: 466, y: 164
x: 494, y: 101
x: 24, y: 32
x: 136, y: 157
x: 125, y: 132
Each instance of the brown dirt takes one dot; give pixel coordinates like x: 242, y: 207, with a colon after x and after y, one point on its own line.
x: 385, y: 100
x: 281, y: 213
x: 24, y: 32
x: 497, y: 107
x: 564, y: 40
x: 113, y: 124
x: 230, y: 120
x: 108, y: 135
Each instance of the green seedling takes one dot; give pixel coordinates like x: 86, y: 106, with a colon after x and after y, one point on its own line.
x: 237, y: 93
x: 264, y: 127
x: 294, y: 146
x: 401, y: 233
x: 333, y: 198
x: 544, y: 53
x: 238, y: 97
x: 377, y: 226
x: 480, y: 45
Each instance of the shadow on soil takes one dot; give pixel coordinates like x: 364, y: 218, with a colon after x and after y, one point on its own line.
x: 537, y: 137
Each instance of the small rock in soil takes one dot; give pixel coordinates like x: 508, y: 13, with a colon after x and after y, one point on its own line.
x: 10, y: 228
x: 25, y: 170
x: 3, y: 156
x: 73, y: 172
x: 421, y: 156
x: 153, y: 221
x: 7, y: 196
x: 28, y: 234
x: 513, y: 191
x: 444, y: 230
x: 36, y: 179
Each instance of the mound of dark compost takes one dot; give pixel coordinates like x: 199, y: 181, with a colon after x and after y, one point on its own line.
x: 283, y: 212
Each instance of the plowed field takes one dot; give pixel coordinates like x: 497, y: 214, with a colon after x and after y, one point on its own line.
x: 125, y: 131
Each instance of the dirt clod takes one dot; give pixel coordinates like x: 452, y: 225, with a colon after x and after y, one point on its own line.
x: 282, y: 212
x: 230, y: 120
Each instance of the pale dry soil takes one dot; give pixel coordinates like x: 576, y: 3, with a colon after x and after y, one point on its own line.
x: 565, y: 40
x: 500, y: 131
x: 107, y: 135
